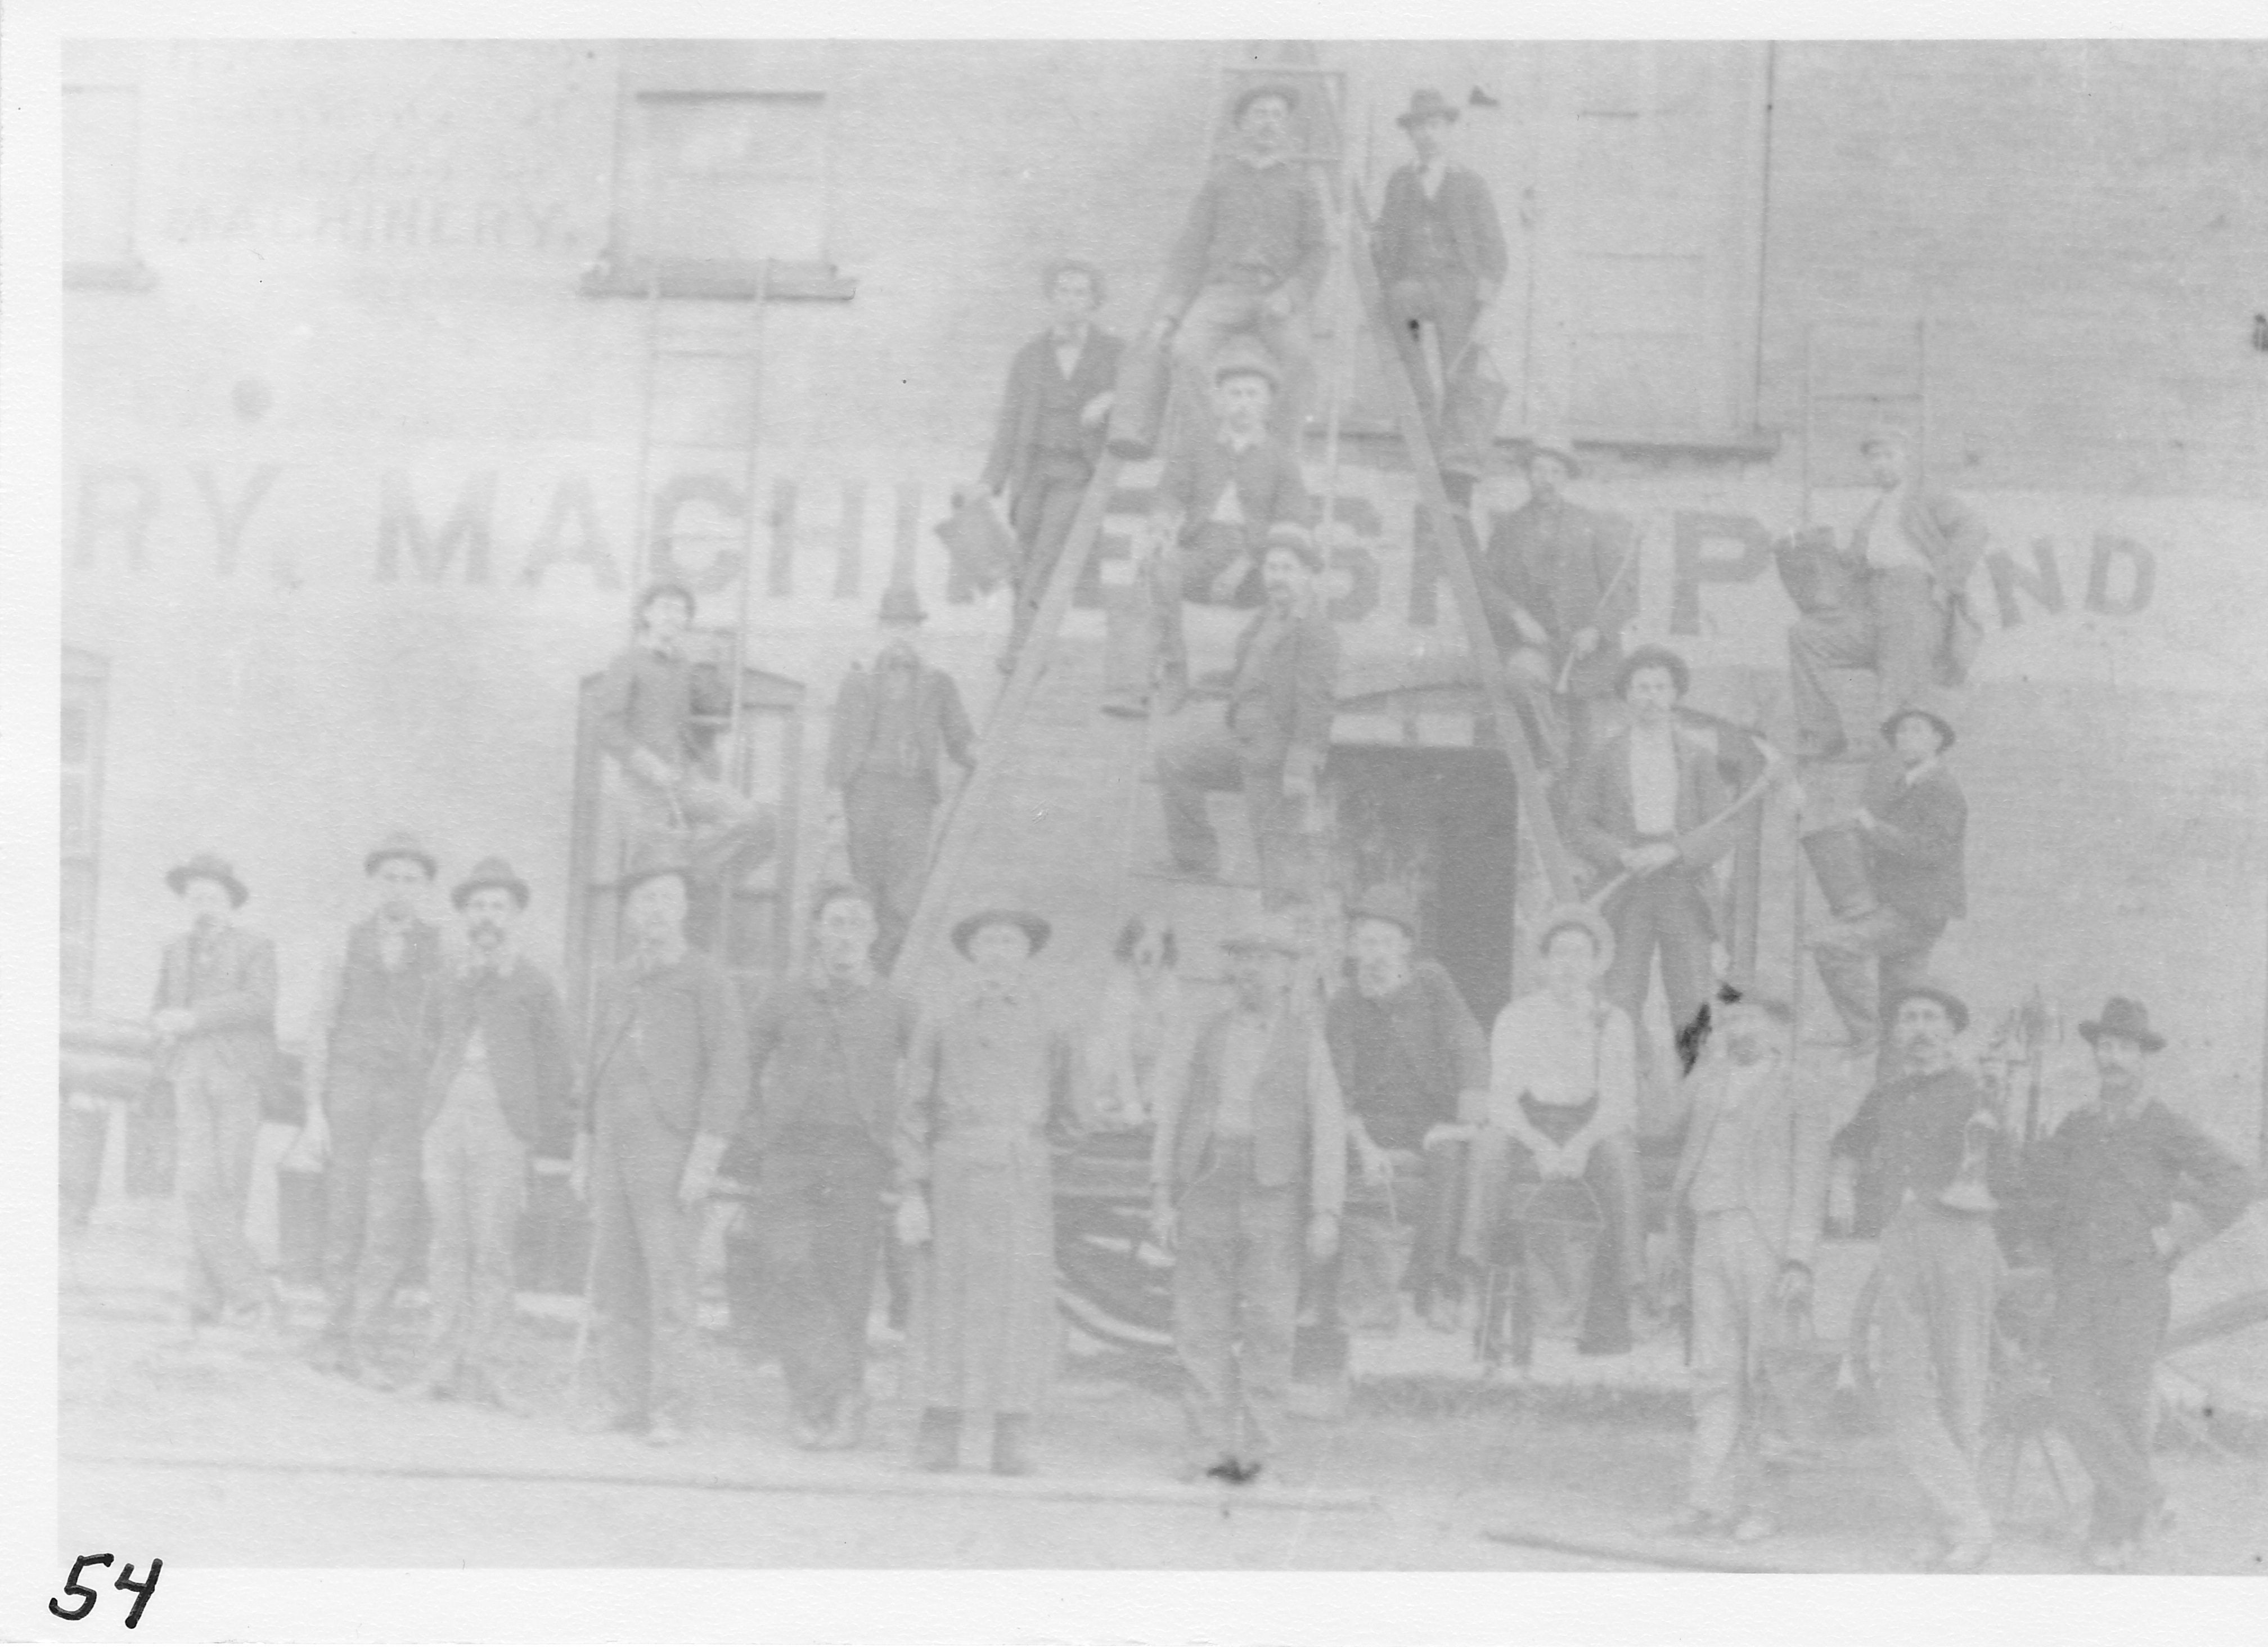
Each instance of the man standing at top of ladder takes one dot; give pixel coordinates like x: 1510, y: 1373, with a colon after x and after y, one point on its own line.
x: 649, y: 700
x: 1051, y: 423
x: 1249, y: 259
x: 1438, y: 247
x: 1914, y: 548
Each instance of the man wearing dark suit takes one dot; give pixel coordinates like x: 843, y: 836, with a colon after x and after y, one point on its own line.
x: 501, y: 1085
x: 2106, y: 1185
x: 1641, y: 792
x: 669, y: 1078
x: 1749, y: 1192
x: 215, y: 1021
x: 1561, y: 587
x: 1915, y: 819
x: 1051, y: 428
x: 1251, y: 1148
x: 1438, y: 244
x: 893, y: 726
x: 1913, y: 549
x: 1272, y: 741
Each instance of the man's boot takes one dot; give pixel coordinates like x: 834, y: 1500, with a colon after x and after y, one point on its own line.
x: 1009, y: 1457
x: 937, y: 1447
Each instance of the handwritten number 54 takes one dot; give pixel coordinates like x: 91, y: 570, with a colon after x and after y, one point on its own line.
x: 85, y: 1595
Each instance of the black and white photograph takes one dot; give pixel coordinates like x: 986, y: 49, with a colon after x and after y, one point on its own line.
x: 1168, y: 806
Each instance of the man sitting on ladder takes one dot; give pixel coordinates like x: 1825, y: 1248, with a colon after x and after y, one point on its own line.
x: 650, y: 703
x: 1249, y: 259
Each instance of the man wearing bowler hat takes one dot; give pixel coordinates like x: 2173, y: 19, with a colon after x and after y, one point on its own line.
x: 370, y: 1048
x: 214, y: 1018
x: 1413, y: 1065
x: 668, y: 1081
x: 1250, y: 257
x: 1635, y: 813
x: 1917, y: 1141
x: 2105, y: 1186
x: 1438, y: 244
x: 501, y: 1086
x: 1560, y: 586
x: 1914, y: 823
x: 1273, y: 736
x: 893, y: 726
x: 1249, y: 1155
x: 1221, y: 501
x: 1914, y: 547
x: 1051, y: 429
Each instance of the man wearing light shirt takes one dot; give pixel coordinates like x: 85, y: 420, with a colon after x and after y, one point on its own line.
x: 1914, y: 549
x: 1636, y: 804
x: 1563, y: 1103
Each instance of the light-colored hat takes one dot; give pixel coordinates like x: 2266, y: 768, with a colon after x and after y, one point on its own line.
x: 400, y: 844
x: 1584, y: 918
x: 1273, y: 930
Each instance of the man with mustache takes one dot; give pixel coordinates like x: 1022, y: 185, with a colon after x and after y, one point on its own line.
x: 1940, y: 1265
x: 501, y: 1084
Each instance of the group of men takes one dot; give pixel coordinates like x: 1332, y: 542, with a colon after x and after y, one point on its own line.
x: 1288, y: 1135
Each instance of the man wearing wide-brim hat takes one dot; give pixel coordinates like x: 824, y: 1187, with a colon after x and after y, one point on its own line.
x: 990, y: 1076
x: 2106, y: 1187
x: 1438, y: 245
x: 215, y: 1019
x: 501, y: 1087
x: 893, y: 727
x: 1914, y: 822
x: 1913, y: 548
x: 370, y: 1047
x: 668, y: 1079
x: 1918, y: 1145
x: 1560, y: 584
x: 1250, y: 1156
x: 1250, y: 257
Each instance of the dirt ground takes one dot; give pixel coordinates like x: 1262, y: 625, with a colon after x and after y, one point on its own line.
x: 229, y: 1451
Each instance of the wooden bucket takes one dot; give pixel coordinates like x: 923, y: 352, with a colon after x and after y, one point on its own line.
x: 1838, y: 852
x: 983, y: 546
x: 1817, y: 579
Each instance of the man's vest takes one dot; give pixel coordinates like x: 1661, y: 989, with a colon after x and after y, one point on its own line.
x: 381, y: 1023
x: 1280, y: 1121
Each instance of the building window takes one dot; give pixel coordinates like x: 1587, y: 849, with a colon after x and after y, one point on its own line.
x: 719, y: 193
x: 83, y: 689
x: 99, y: 127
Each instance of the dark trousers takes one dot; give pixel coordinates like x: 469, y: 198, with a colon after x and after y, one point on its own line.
x: 818, y: 1218
x: 1422, y: 1212
x: 1236, y: 1295
x: 1896, y: 633
x: 1896, y: 943
x: 1043, y: 518
x: 1449, y: 299
x: 643, y: 1283
x: 1203, y: 755
x: 1667, y: 911
x: 2109, y: 1327
x: 371, y: 1196
x: 887, y: 817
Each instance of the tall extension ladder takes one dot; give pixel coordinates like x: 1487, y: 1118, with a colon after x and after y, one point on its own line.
x: 951, y: 860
